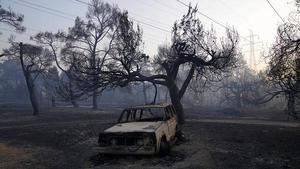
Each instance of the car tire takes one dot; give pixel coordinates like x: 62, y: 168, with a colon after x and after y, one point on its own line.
x: 164, y: 147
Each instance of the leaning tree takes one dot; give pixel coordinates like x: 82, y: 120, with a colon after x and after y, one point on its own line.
x: 34, y: 61
x: 193, y: 47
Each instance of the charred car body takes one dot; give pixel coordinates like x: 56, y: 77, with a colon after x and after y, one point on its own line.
x: 145, y: 129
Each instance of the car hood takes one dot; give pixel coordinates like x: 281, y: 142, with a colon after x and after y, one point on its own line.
x: 134, y: 127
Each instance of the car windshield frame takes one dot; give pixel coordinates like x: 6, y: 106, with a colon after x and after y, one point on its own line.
x: 143, y: 114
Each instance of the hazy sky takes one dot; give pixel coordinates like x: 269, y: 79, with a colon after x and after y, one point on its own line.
x: 244, y: 15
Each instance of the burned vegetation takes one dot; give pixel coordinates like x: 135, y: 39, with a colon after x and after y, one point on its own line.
x: 90, y: 96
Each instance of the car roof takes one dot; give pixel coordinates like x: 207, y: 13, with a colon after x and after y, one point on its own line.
x: 150, y: 106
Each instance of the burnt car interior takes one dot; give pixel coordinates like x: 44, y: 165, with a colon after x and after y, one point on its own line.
x: 142, y: 115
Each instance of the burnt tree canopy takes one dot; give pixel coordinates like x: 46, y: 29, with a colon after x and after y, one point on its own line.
x: 198, y: 50
x: 12, y: 19
x: 86, y: 46
x: 90, y: 40
x: 34, y: 60
x: 284, y: 63
x: 243, y: 87
x: 67, y: 87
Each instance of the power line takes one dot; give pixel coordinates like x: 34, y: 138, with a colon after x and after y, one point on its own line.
x: 150, y: 25
x: 83, y: 2
x: 144, y: 23
x: 215, y: 21
x: 51, y: 9
x: 206, y: 16
x: 38, y: 7
x: 167, y: 6
x: 47, y: 8
x: 41, y: 10
x: 152, y: 20
x: 234, y: 12
x: 151, y: 5
x: 275, y: 11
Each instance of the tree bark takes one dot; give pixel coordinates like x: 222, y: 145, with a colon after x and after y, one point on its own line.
x: 176, y: 101
x: 95, y: 100
x: 74, y: 103
x: 291, y: 106
x: 72, y: 96
x: 32, y: 94
x: 155, y: 94
x: 53, y: 101
x: 239, y: 100
x: 145, y: 93
x: 30, y: 85
x: 95, y: 80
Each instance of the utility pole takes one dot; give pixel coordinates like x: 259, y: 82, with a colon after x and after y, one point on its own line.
x: 251, y: 43
x: 252, y: 60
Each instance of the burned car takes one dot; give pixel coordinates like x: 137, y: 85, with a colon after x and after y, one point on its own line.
x: 147, y: 129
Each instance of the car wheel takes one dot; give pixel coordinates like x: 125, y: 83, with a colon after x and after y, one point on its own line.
x: 164, y: 147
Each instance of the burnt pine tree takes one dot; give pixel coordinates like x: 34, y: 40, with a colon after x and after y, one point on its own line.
x: 91, y: 38
x: 66, y: 87
x: 51, y: 80
x: 34, y: 61
x: 193, y: 47
x: 12, y: 19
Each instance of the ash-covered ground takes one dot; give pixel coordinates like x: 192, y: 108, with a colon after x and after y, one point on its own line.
x: 66, y: 138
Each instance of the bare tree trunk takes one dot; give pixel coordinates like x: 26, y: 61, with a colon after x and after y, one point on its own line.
x: 95, y: 100
x: 95, y: 80
x: 145, y: 93
x: 32, y: 94
x: 176, y: 101
x: 239, y: 100
x: 291, y: 106
x: 53, y: 103
x: 155, y: 94
x: 30, y: 85
x: 72, y: 97
x: 74, y: 103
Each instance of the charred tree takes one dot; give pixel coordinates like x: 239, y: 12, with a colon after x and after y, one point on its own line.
x: 193, y: 47
x: 284, y: 64
x: 12, y: 19
x: 29, y: 82
x: 34, y: 61
x: 91, y: 38
x: 67, y: 87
